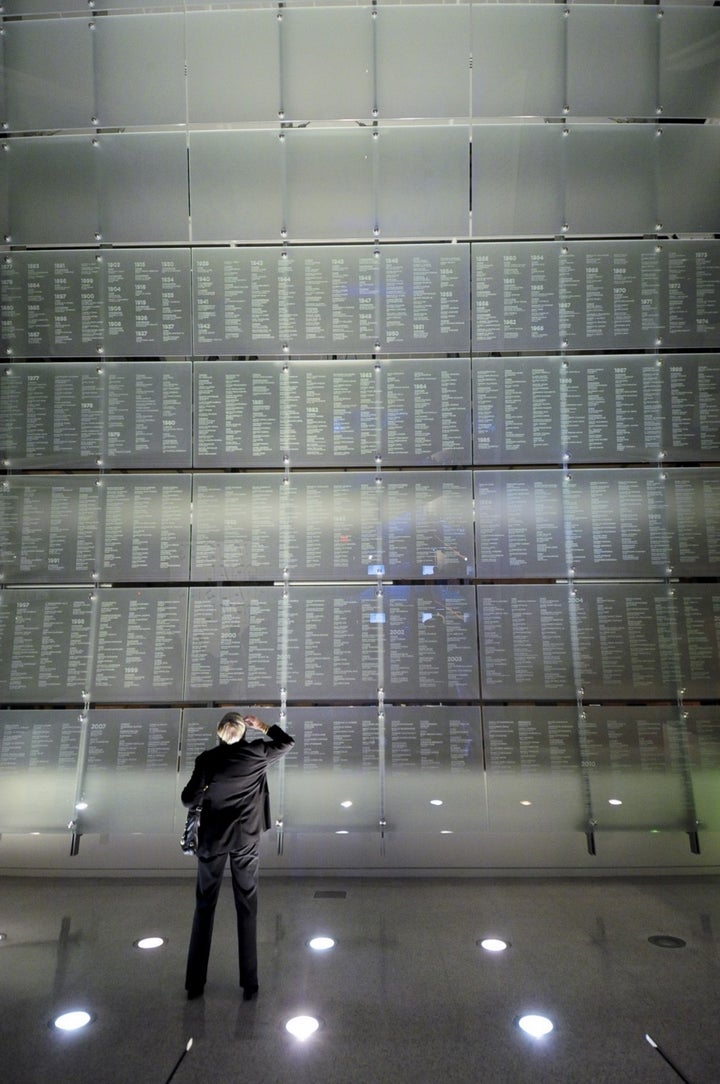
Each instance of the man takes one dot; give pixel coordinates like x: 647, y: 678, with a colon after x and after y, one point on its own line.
x: 231, y: 782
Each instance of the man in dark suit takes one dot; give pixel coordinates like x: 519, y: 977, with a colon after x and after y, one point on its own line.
x: 231, y: 782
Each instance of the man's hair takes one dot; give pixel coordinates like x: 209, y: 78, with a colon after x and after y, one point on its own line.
x: 231, y: 728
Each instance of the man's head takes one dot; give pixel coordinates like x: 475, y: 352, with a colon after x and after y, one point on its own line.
x: 231, y: 728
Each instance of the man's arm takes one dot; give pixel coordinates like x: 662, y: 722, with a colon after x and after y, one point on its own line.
x: 279, y: 742
x: 195, y: 786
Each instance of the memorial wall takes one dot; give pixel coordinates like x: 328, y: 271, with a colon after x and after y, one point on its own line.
x: 362, y: 369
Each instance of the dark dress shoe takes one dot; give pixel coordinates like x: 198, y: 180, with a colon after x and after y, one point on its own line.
x: 249, y: 992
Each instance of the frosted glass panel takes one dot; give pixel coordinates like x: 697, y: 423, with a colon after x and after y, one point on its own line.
x: 423, y: 185
x: 612, y: 60
x: 517, y: 180
x: 52, y: 190
x: 131, y: 770
x: 235, y: 187
x: 143, y: 187
x: 327, y: 63
x: 610, y: 179
x: 433, y: 770
x: 329, y: 184
x: 49, y: 74
x: 533, y: 760
x: 423, y: 61
x: 703, y: 738
x: 689, y: 153
x: 39, y: 757
x: 690, y: 62
x: 140, y: 65
x: 636, y: 772
x: 332, y: 773
x: 233, y: 60
x: 518, y: 60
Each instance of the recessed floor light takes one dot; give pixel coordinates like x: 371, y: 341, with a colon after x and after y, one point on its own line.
x: 666, y: 940
x: 346, y: 804
x: 614, y: 801
x: 149, y: 942
x: 436, y: 801
x: 525, y: 802
x: 72, y: 1021
x: 535, y: 1025
x: 342, y: 832
x: 493, y: 944
x: 302, y: 1027
x: 321, y: 944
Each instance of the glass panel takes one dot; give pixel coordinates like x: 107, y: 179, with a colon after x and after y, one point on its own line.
x: 627, y: 641
x: 237, y: 529
x: 520, y: 528
x: 689, y: 178
x: 332, y: 772
x: 698, y: 638
x: 525, y: 642
x: 45, y: 645
x: 327, y: 63
x: 43, y: 7
x: 611, y: 294
x: 330, y: 184
x: 146, y: 528
x: 147, y: 302
x: 425, y: 412
x: 427, y: 521
x: 49, y: 529
x: 140, y: 65
x: 612, y: 61
x: 424, y: 298
x: 423, y: 182
x: 694, y: 518
x: 423, y: 61
x: 131, y: 773
x: 53, y: 190
x: 143, y: 187
x: 52, y: 303
x: 148, y: 411
x: 38, y: 757
x: 517, y: 184
x: 690, y: 62
x: 516, y: 410
x: 703, y: 738
x: 235, y: 186
x: 51, y: 415
x: 617, y: 523
x: 233, y: 62
x: 434, y: 770
x: 237, y: 414
x: 518, y: 60
x: 48, y: 74
x: 140, y: 644
x: 692, y: 282
x: 534, y: 781
x: 516, y: 296
x: 691, y: 407
x: 335, y: 526
x: 611, y: 408
x: 637, y: 779
x: 330, y: 412
x: 610, y: 179
x: 430, y: 642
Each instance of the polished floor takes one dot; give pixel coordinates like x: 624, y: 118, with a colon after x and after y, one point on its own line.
x: 406, y: 994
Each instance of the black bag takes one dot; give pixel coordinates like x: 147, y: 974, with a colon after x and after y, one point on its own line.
x: 189, y: 838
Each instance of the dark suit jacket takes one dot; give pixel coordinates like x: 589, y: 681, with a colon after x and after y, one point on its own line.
x: 236, y: 805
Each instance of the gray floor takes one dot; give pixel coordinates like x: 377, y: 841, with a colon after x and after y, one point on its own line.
x: 406, y: 994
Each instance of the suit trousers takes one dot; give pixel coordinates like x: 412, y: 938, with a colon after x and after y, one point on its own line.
x: 244, y: 866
